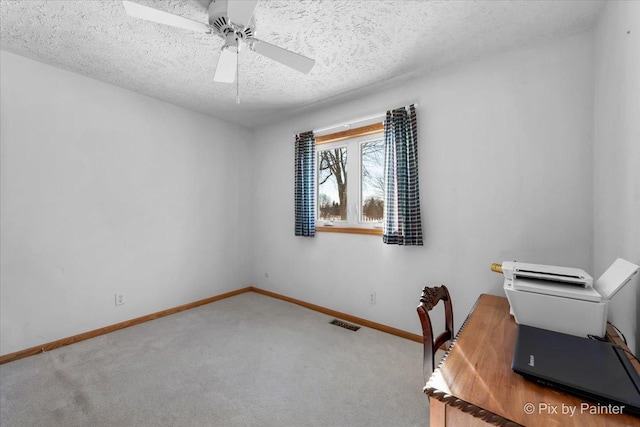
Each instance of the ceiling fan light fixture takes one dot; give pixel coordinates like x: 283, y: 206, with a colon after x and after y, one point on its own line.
x: 235, y: 48
x: 231, y: 42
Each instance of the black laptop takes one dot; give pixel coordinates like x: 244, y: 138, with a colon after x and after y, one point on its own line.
x: 595, y: 370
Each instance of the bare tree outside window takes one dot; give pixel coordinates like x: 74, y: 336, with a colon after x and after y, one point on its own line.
x: 332, y: 184
x: 372, y: 184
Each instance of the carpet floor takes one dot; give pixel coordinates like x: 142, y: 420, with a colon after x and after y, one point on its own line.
x: 248, y: 360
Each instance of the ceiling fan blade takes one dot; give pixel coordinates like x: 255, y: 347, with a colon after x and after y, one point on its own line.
x: 283, y: 56
x: 227, y: 66
x: 154, y: 15
x: 241, y: 11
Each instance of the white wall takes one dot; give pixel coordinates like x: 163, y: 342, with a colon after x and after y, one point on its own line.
x: 104, y: 191
x: 506, y: 155
x: 617, y: 154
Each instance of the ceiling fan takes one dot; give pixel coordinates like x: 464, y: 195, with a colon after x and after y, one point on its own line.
x: 231, y: 20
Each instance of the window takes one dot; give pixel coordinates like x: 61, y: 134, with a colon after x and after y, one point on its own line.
x: 352, y: 193
x: 350, y: 181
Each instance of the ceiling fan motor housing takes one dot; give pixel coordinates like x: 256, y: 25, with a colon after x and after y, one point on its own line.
x: 219, y: 20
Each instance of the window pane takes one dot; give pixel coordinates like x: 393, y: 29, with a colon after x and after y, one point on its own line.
x: 372, y: 185
x: 332, y: 184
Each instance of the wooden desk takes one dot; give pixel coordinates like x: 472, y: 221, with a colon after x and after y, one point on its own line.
x: 474, y: 384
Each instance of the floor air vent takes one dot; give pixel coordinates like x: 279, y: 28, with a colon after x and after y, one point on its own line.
x: 344, y: 325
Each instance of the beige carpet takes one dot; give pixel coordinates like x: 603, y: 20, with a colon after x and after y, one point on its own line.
x: 249, y: 360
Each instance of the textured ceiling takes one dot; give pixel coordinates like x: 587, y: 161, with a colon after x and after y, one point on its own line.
x: 357, y: 46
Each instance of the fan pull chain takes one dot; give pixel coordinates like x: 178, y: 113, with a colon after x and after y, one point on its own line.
x: 238, y: 75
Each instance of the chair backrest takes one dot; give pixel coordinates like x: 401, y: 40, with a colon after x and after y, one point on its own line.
x: 429, y: 299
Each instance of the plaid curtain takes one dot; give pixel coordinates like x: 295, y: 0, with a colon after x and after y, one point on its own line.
x: 305, y: 184
x: 403, y: 224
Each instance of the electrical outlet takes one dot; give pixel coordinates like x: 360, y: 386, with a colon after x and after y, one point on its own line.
x: 119, y: 299
x: 372, y: 298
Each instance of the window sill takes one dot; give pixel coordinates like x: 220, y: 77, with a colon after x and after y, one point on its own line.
x: 350, y: 230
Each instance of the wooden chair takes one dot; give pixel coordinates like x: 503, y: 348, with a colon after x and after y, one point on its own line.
x: 429, y: 299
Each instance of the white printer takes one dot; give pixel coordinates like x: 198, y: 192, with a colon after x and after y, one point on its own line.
x: 562, y: 299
